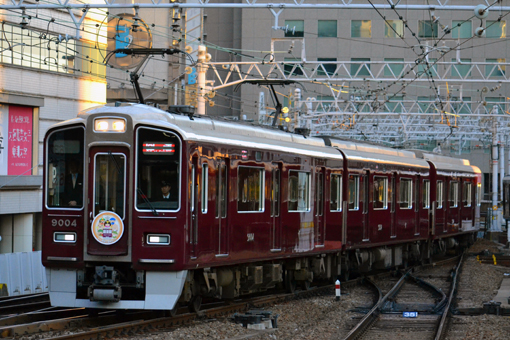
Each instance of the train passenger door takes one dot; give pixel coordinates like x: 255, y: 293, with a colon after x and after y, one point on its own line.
x: 193, y: 195
x: 393, y: 201
x: 319, y: 224
x: 365, y: 201
x: 275, y: 201
x: 452, y: 219
x: 417, y: 206
x: 107, y: 203
x: 221, y: 206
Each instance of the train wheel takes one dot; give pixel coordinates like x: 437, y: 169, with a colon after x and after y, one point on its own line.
x: 305, y: 285
x: 195, y: 304
x: 172, y: 312
x: 290, y: 283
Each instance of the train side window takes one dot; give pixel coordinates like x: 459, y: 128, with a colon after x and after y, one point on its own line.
x: 64, y: 175
x: 453, y: 195
x: 221, y: 191
x: 250, y: 189
x: 380, y: 193
x: 275, y: 194
x: 478, y: 194
x: 440, y: 194
x: 299, y: 191
x: 425, y: 198
x: 353, y: 192
x: 335, y: 201
x: 405, y: 194
x: 205, y: 187
x: 466, y: 194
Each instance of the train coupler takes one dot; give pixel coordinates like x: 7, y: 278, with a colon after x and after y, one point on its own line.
x: 106, y: 286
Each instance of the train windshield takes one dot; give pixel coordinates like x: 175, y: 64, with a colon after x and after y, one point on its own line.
x: 158, y: 170
x: 64, y: 169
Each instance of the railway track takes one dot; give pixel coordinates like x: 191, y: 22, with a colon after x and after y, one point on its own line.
x: 415, y: 307
x: 23, y: 303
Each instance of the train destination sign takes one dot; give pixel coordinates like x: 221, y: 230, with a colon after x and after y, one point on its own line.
x: 154, y: 148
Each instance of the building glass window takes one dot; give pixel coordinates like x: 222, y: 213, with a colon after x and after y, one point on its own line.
x: 295, y: 28
x: 394, y: 29
x: 335, y: 202
x: 353, y: 192
x: 405, y: 194
x: 430, y: 68
x: 395, y: 68
x: 299, y: 191
x: 463, y: 31
x: 330, y: 68
x: 496, y: 70
x: 453, y: 195
x: 395, y: 104
x: 293, y: 68
x: 498, y: 102
x: 380, y: 193
x: 250, y: 189
x: 327, y: 29
x: 43, y: 50
x: 360, y: 67
x: 461, y: 70
x: 361, y: 29
x: 427, y: 29
x: 495, y: 29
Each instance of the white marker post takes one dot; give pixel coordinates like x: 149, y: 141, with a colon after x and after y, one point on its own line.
x: 337, y: 290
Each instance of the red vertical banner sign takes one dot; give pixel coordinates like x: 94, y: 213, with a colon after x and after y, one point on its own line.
x: 20, y: 140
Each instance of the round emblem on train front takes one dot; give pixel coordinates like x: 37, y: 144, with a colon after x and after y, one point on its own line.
x: 107, y: 228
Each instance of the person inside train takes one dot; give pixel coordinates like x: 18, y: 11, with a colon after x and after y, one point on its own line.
x: 165, y: 191
x: 73, y: 190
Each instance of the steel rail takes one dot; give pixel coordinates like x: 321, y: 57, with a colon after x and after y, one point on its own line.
x: 441, y: 330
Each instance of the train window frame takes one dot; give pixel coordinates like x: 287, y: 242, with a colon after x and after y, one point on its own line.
x: 305, y: 192
x: 408, y: 187
x: 440, y: 194
x: 376, y: 196
x: 453, y: 188
x: 94, y: 213
x: 205, y: 187
x: 47, y: 186
x: 355, y: 203
x: 137, y: 165
x: 426, y: 194
x: 261, y: 190
x: 467, y: 196
x: 338, y: 190
x: 221, y: 189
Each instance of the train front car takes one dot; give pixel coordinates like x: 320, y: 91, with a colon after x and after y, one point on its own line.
x: 102, y: 248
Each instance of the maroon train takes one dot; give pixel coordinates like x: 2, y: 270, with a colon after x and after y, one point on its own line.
x: 250, y: 208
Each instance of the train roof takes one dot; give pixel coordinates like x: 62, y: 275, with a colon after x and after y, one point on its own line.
x: 207, y: 129
x: 448, y: 165
x: 358, y: 150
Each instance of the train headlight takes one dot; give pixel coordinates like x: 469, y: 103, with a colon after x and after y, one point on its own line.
x: 159, y: 239
x: 109, y: 125
x: 64, y: 237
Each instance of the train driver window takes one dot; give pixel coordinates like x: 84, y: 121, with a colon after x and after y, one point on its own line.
x: 425, y: 198
x: 158, y: 183
x: 299, y: 191
x: 64, y: 182
x: 405, y: 193
x: 380, y: 193
x: 335, y: 202
x: 353, y: 192
x: 453, y: 195
x: 250, y: 189
x: 439, y: 194
x: 466, y: 194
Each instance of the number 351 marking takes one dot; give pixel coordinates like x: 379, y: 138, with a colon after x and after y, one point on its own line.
x: 63, y: 223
